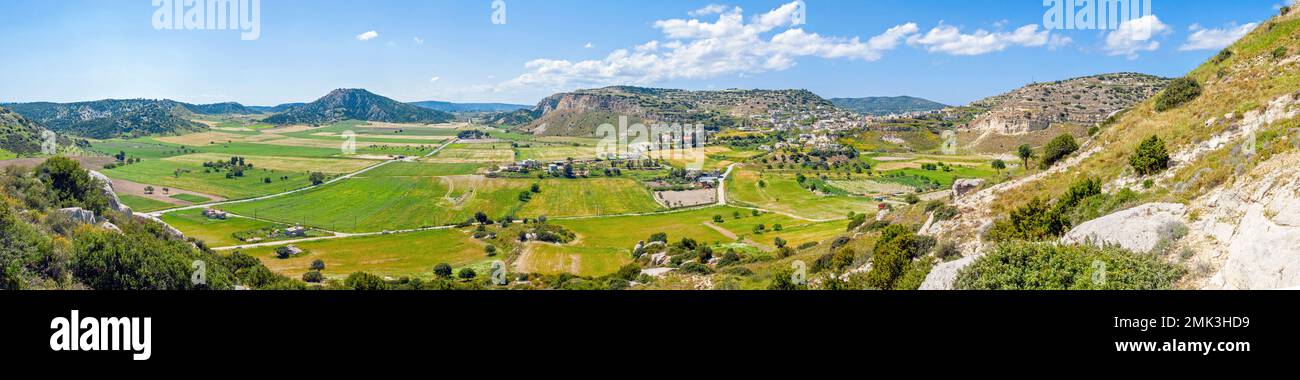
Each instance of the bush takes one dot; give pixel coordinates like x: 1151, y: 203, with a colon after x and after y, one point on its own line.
x: 364, y: 281
x: 318, y: 265
x: 1280, y: 52
x: 1035, y: 221
x: 316, y: 178
x: 696, y: 268
x: 1150, y: 157
x: 442, y: 270
x: 1046, y: 266
x: 1179, y: 92
x: 947, y: 251
x: 466, y: 273
x: 912, y: 199
x: 1057, y: 149
x: 313, y: 277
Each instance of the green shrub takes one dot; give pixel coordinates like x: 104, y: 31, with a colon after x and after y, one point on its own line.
x: 1150, y: 157
x: 1035, y: 221
x: 1179, y: 92
x: 1046, y: 266
x: 1057, y: 149
x: 442, y: 270
x: 364, y: 281
x: 313, y: 277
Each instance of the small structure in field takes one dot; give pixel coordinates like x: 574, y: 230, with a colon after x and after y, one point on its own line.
x: 212, y: 213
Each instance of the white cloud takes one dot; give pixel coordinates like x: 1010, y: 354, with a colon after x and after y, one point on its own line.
x: 588, y: 46
x: 698, y: 49
x: 711, y: 9
x: 418, y: 40
x: 367, y: 36
x: 1134, y: 36
x: 434, y: 79
x: 1214, y: 39
x: 949, y: 39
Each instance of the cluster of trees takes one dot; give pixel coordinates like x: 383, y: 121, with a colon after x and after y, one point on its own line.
x: 1041, y: 220
x: 1179, y: 92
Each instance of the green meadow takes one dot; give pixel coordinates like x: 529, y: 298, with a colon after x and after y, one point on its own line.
x: 412, y: 254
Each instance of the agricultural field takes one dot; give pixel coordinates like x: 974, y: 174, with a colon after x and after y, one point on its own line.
x: 604, y: 244
x: 214, y: 232
x: 411, y: 254
x: 475, y: 153
x: 142, y: 204
x: 783, y: 193
x: 191, y: 198
x: 193, y: 177
x: 291, y: 164
x: 589, y: 197
x: 557, y: 153
x: 423, y: 169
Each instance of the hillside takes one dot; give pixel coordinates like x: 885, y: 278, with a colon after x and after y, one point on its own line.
x: 1079, y: 101
x: 882, y: 106
x: 17, y: 134
x: 1225, y: 209
x: 579, y: 113
x: 357, y: 104
x: 470, y: 107
x: 229, y: 108
x: 111, y: 118
x: 274, y: 109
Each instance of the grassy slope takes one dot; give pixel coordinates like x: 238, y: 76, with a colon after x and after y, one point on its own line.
x: 783, y: 193
x: 215, y: 232
x: 413, y: 254
x: 1248, y: 87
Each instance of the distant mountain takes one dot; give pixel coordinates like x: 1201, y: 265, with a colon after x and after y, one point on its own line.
x: 275, y: 109
x: 578, y: 113
x: 882, y: 106
x: 111, y: 118
x: 470, y: 107
x: 229, y: 108
x: 357, y: 104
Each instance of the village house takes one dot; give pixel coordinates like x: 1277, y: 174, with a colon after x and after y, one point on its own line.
x: 215, y: 214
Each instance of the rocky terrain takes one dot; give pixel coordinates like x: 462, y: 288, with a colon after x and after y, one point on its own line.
x: 579, y: 113
x: 111, y: 118
x: 1081, y: 101
x: 1227, y: 209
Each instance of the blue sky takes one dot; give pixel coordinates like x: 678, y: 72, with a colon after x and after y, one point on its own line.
x: 945, y: 50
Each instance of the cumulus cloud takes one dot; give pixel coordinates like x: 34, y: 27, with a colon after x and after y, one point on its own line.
x: 697, y: 49
x: 949, y: 39
x: 588, y: 46
x: 367, y: 36
x: 417, y: 40
x: 711, y: 9
x: 1215, y: 39
x: 1134, y: 36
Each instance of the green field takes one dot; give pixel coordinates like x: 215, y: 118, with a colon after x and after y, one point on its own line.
x: 587, y: 197
x: 605, y: 244
x: 215, y: 232
x: 557, y: 153
x: 412, y: 254
x: 142, y: 204
x: 784, y: 194
x: 162, y: 173
x: 6, y: 155
x: 422, y: 169
x: 475, y: 153
x: 192, y: 198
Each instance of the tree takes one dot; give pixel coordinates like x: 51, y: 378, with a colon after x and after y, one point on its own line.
x: 717, y: 219
x: 1026, y: 153
x: 442, y: 270
x: 1057, y: 149
x: 536, y: 188
x: 491, y: 250
x: 316, y: 178
x: 999, y: 165
x: 72, y: 186
x: 1178, y: 92
x: 912, y: 199
x: 1150, y: 157
x: 779, y: 242
x: 466, y: 273
x: 313, y: 276
x: 482, y: 218
x: 318, y: 264
x: 365, y: 281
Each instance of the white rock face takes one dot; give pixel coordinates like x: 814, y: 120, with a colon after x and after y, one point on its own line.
x: 79, y: 215
x: 1252, y: 228
x: 113, y: 202
x: 943, y: 276
x: 1138, y: 229
x: 963, y: 186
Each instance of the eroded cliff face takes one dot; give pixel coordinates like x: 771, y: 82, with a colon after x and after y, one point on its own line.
x: 1247, y: 233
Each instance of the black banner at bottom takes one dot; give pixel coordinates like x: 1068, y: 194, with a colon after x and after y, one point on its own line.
x: 178, y: 328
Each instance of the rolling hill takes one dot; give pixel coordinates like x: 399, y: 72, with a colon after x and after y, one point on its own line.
x: 229, y: 108
x: 470, y: 107
x: 111, y: 118
x: 357, y: 104
x: 578, y: 113
x: 17, y: 134
x: 882, y: 106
